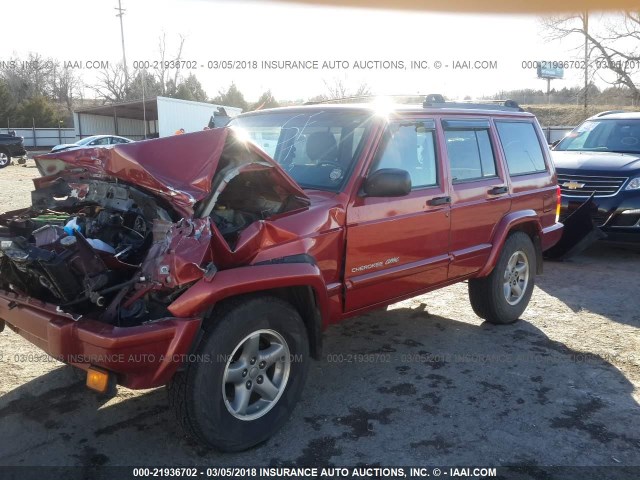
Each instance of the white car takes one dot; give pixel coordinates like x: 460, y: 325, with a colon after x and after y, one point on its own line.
x: 93, y: 141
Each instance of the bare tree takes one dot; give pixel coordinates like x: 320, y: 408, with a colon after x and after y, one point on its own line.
x: 111, y: 84
x: 163, y: 80
x: 614, y: 47
x: 168, y: 84
x: 33, y: 77
x: 336, y: 89
x: 362, y: 91
x: 66, y: 87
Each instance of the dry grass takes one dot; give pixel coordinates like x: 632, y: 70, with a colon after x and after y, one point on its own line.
x: 568, y: 115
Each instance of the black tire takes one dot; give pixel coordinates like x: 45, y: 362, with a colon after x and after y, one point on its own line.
x: 487, y: 294
x: 5, y: 158
x: 196, y: 393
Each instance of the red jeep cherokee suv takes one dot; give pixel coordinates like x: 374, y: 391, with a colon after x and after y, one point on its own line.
x: 212, y: 261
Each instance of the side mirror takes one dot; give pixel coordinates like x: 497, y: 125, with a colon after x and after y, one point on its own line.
x: 388, y: 182
x: 552, y: 146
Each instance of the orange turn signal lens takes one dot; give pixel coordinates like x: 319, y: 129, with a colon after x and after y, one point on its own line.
x: 97, y: 379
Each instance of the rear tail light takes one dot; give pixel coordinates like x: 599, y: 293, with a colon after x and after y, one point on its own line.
x: 558, y: 203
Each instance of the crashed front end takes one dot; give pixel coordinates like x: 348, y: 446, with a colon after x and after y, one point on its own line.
x: 114, y: 236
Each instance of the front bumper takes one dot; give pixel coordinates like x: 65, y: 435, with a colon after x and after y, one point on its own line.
x: 17, y: 150
x: 618, y: 216
x: 144, y: 356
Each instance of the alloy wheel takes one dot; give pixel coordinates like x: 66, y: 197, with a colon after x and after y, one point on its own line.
x: 256, y: 375
x: 516, y: 277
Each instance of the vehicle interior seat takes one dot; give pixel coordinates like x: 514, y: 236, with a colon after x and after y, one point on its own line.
x: 463, y: 158
x: 322, y: 147
x: 425, y: 173
x: 400, y: 151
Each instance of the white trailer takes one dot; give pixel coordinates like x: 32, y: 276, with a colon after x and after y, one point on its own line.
x: 155, y: 117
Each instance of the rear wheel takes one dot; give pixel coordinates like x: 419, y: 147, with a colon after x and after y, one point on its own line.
x: 5, y: 158
x: 249, y: 373
x: 503, y: 296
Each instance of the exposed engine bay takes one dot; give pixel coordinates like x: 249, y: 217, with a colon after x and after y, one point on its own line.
x: 79, y: 244
x: 108, y: 250
x: 235, y: 209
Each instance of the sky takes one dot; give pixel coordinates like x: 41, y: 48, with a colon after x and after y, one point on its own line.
x: 242, y: 32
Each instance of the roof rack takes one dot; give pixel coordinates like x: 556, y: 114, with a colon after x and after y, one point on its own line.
x: 359, y: 98
x: 435, y: 100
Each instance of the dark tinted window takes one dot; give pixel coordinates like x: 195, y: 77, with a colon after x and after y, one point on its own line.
x: 470, y: 154
x: 411, y: 147
x: 521, y: 147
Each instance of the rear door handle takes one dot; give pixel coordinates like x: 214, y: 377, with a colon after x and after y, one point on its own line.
x: 501, y: 190
x: 439, y: 201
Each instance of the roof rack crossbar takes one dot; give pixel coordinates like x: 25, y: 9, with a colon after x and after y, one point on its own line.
x: 438, y: 101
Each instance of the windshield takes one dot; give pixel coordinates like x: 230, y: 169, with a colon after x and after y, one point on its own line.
x: 318, y: 149
x: 604, y: 135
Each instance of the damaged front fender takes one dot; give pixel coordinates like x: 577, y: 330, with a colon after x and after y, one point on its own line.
x: 249, y: 279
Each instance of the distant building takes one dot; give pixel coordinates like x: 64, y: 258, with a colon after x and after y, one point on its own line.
x: 161, y: 115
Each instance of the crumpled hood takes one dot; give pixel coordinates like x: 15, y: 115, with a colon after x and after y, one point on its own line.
x: 180, y: 168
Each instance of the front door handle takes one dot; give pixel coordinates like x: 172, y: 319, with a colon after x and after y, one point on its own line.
x: 501, y: 190
x: 439, y: 201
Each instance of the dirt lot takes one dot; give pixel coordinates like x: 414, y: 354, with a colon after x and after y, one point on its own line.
x: 559, y: 387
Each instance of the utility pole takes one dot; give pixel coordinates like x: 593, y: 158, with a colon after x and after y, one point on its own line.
x: 144, y: 104
x: 585, y: 26
x: 124, y: 56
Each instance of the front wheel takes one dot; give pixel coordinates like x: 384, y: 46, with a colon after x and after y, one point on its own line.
x: 248, y: 374
x: 503, y: 295
x: 5, y: 158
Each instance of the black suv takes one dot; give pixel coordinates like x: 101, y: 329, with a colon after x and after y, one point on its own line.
x: 601, y: 157
x: 10, y: 146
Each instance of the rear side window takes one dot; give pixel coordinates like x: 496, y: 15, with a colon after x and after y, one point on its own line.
x: 470, y: 154
x: 521, y: 147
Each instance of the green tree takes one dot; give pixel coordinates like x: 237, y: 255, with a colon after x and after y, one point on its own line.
x: 152, y: 87
x: 191, y: 89
x: 7, y: 105
x: 231, y: 98
x: 36, y: 110
x: 266, y: 100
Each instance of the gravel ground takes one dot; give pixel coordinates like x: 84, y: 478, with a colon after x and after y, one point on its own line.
x: 559, y: 387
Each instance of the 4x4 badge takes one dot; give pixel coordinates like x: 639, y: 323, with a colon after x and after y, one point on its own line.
x: 573, y: 185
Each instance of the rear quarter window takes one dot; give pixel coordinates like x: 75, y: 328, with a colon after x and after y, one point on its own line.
x: 521, y: 147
